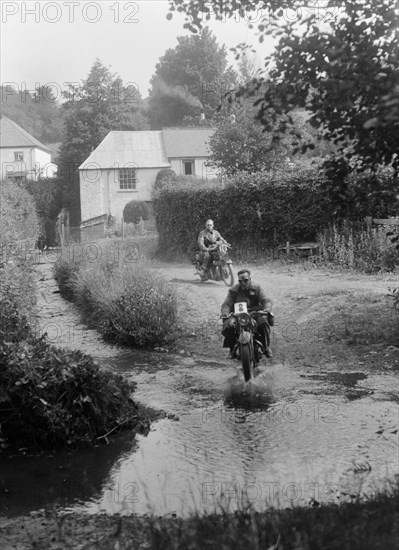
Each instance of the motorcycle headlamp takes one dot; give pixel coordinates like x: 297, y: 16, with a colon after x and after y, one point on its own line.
x: 244, y: 319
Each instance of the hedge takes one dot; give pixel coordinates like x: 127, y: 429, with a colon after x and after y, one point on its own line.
x: 253, y: 210
x: 258, y: 212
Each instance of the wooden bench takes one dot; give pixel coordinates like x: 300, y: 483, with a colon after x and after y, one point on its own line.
x: 370, y: 222
x: 306, y: 249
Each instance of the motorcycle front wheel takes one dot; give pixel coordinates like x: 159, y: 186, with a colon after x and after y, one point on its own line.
x: 226, y: 272
x: 247, y: 361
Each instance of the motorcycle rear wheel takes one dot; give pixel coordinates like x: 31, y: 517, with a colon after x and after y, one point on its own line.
x: 247, y: 361
x: 226, y: 272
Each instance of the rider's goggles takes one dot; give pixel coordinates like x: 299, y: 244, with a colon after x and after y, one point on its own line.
x: 243, y: 280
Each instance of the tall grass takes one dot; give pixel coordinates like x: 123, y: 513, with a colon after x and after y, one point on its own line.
x: 19, y: 222
x: 19, y: 230
x: 351, y: 246
x: 121, y: 296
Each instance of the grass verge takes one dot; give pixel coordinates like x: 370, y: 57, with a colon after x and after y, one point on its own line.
x: 361, y: 525
x: 119, y: 294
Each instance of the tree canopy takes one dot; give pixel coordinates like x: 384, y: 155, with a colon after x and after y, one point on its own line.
x: 240, y: 142
x: 39, y: 112
x: 100, y: 104
x: 340, y: 63
x: 188, y: 79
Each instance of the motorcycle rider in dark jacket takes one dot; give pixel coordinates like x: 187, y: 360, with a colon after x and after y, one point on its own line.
x: 256, y: 300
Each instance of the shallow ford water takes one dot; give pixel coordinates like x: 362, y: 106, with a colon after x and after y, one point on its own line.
x: 296, y: 436
x: 288, y: 439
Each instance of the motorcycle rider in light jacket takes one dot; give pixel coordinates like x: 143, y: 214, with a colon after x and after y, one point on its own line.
x: 207, y: 238
x: 256, y: 300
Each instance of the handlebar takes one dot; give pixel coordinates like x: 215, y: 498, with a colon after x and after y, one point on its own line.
x: 213, y: 246
x: 261, y: 312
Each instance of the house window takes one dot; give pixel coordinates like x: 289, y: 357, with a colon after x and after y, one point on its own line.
x: 18, y: 156
x: 188, y: 167
x: 127, y: 178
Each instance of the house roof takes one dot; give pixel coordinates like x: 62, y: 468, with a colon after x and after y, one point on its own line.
x: 12, y: 135
x: 143, y: 149
x: 187, y: 142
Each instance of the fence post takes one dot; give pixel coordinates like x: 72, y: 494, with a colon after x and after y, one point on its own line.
x: 369, y: 223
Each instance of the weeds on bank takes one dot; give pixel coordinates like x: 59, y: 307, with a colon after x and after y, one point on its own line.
x: 126, y: 300
x: 352, y: 247
x: 360, y: 525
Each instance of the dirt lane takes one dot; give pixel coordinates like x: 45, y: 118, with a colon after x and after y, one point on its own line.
x: 303, y: 301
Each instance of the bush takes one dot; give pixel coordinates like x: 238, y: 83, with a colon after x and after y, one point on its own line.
x: 144, y: 314
x: 64, y: 271
x: 165, y: 177
x: 56, y: 398
x: 134, y: 210
x: 122, y: 297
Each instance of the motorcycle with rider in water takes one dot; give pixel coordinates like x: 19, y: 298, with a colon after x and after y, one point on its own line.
x: 247, y: 318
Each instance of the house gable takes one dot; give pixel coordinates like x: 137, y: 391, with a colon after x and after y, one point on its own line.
x: 12, y: 135
x: 22, y: 156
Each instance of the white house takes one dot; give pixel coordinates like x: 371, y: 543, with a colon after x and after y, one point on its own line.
x: 188, y: 151
x: 125, y: 165
x: 22, y: 156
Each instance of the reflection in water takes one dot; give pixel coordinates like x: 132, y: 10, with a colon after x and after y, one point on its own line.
x: 29, y: 483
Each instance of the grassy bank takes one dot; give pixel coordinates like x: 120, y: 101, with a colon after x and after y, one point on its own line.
x: 49, y: 397
x: 367, y: 525
x: 118, y: 293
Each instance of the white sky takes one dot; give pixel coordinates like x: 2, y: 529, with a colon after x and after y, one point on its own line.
x: 58, y: 41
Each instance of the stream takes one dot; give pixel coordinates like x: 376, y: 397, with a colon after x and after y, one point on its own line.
x: 294, y: 437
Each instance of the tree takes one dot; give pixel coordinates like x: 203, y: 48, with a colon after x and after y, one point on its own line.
x: 248, y: 68
x: 240, y: 143
x: 188, y: 79
x: 38, y: 112
x: 340, y: 63
x: 100, y: 104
